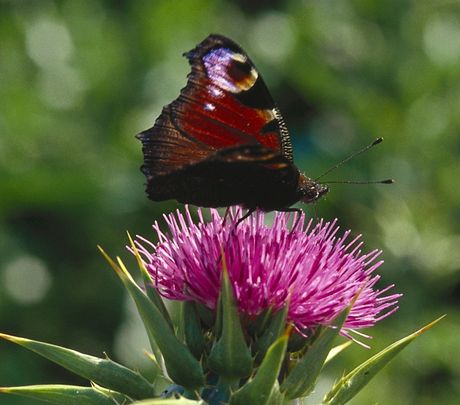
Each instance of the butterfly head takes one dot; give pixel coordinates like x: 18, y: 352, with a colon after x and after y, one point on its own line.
x: 310, y: 190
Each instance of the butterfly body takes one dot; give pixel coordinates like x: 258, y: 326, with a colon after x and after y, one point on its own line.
x: 223, y: 141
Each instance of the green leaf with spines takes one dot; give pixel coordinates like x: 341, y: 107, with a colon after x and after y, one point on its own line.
x: 183, y: 368
x: 348, y: 386
x: 335, y: 351
x: 276, y: 396
x: 169, y: 401
x: 156, y: 300
x: 263, y: 388
x: 302, y: 378
x: 104, y: 372
x: 217, y: 327
x: 66, y: 394
x: 152, y: 293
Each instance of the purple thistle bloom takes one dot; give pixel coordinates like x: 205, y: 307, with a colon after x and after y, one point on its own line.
x: 313, y: 268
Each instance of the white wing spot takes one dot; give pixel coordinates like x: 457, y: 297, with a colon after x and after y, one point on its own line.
x: 216, y: 92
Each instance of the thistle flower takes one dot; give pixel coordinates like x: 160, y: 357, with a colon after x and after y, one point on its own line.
x: 310, y: 266
x: 255, y: 279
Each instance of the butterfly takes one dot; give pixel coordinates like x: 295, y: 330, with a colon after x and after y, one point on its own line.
x: 223, y: 141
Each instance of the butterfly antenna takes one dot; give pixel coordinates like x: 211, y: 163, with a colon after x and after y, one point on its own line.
x: 353, y: 155
x: 386, y: 181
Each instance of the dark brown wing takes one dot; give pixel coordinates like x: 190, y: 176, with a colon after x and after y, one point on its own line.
x: 249, y: 175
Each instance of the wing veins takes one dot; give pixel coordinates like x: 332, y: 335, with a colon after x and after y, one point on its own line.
x: 182, y: 132
x: 250, y: 138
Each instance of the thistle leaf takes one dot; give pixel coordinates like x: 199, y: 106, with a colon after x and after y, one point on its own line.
x: 170, y: 401
x: 302, y: 378
x: 349, y: 385
x: 66, y: 394
x: 154, y: 297
x: 206, y: 316
x: 272, y: 332
x: 336, y: 350
x: 151, y: 292
x: 230, y: 357
x: 180, y: 363
x: 104, y: 372
x: 263, y: 386
x: 257, y: 326
x: 192, y: 330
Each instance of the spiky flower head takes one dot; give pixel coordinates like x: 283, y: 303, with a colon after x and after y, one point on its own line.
x: 310, y: 265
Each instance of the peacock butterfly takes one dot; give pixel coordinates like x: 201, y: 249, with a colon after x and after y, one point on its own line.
x: 223, y: 141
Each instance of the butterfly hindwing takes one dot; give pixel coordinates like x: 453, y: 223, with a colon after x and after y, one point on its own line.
x: 242, y: 174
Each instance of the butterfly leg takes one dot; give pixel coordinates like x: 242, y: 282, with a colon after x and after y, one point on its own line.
x: 298, y: 211
x: 224, y: 219
x: 248, y: 214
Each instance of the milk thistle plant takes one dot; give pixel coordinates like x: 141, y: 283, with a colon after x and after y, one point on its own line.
x: 260, y: 309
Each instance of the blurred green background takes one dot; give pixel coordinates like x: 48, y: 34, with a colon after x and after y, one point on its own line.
x: 78, y: 79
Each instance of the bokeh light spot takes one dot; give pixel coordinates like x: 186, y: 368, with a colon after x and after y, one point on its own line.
x: 274, y: 36
x: 48, y: 43
x: 400, y: 234
x: 26, y: 279
x: 442, y: 40
x: 427, y: 118
x: 61, y: 88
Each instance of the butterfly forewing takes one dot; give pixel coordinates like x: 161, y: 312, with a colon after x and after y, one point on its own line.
x: 226, y: 102
x: 166, y: 148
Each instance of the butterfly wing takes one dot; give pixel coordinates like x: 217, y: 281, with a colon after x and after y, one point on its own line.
x: 224, y: 106
x: 250, y: 175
